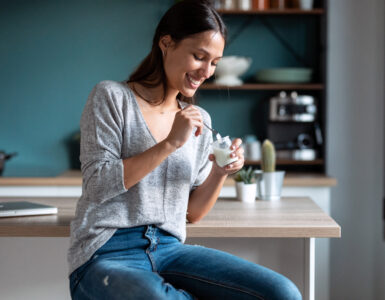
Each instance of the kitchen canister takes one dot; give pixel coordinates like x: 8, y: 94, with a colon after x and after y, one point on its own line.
x: 252, y: 148
x: 244, y: 4
x: 261, y: 4
x: 228, y: 4
x: 306, y: 4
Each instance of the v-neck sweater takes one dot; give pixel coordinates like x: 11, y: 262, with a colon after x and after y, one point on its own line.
x: 113, y: 128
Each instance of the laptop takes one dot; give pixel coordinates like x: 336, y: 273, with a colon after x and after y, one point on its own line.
x: 25, y: 208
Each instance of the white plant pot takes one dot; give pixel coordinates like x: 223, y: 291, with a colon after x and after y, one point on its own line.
x: 246, y: 192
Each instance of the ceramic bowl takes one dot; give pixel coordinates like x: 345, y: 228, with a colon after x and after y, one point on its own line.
x: 230, y: 68
x: 285, y: 75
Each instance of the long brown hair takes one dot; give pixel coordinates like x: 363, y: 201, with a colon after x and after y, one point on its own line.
x: 182, y: 20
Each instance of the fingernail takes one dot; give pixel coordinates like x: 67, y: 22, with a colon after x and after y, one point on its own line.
x: 230, y: 166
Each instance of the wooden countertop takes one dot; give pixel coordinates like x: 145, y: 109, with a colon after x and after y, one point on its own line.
x: 73, y: 178
x: 289, y: 218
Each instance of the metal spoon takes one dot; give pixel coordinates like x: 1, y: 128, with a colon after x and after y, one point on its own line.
x: 217, y: 135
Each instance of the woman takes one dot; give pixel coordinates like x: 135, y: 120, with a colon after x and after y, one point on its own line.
x: 146, y: 167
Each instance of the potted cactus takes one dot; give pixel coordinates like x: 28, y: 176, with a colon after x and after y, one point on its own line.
x: 268, y: 157
x: 245, y: 185
x: 269, y: 180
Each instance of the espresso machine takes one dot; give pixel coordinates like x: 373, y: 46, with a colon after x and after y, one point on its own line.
x: 293, y: 126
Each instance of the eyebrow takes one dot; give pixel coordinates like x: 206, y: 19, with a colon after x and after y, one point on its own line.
x: 207, y: 53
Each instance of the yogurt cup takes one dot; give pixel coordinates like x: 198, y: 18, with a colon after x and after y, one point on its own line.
x: 222, y: 151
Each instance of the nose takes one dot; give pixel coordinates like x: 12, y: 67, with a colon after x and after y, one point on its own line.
x: 206, y: 70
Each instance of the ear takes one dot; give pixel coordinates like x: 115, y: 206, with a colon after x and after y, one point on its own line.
x: 165, y: 42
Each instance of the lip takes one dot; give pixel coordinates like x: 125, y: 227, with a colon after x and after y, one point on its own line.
x: 192, y: 85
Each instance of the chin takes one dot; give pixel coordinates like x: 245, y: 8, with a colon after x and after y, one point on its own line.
x: 188, y: 92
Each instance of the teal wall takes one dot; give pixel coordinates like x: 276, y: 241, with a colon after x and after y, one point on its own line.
x: 53, y: 52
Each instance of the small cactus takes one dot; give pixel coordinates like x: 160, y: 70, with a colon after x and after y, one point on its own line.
x: 268, y: 157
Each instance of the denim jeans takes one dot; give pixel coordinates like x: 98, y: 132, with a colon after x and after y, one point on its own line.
x: 148, y: 263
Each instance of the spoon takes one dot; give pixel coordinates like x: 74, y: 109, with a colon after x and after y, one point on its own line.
x: 217, y: 135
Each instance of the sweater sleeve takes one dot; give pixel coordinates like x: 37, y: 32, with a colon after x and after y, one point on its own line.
x: 101, y: 128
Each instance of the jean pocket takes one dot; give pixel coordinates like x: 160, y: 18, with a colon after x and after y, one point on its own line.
x: 74, y: 281
x: 78, y: 274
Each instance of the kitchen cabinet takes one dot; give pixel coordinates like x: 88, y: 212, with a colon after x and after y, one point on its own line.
x: 273, y: 38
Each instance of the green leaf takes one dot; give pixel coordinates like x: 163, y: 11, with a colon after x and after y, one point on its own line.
x: 245, y: 175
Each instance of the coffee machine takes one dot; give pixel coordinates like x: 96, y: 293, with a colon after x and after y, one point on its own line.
x: 296, y: 108
x: 293, y: 126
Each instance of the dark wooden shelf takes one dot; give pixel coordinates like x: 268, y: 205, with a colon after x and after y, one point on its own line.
x: 316, y: 162
x: 288, y: 11
x: 264, y: 86
x: 272, y: 21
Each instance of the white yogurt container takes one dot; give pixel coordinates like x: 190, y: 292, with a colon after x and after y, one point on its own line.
x: 222, y: 151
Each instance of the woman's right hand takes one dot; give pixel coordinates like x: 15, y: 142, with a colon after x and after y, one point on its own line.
x: 184, y: 123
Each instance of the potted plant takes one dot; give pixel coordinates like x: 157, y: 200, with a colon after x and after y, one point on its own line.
x: 269, y: 180
x: 245, y: 185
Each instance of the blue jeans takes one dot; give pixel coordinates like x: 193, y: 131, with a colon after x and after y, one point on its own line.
x: 148, y: 263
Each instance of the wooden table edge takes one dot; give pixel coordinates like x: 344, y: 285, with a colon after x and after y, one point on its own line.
x: 192, y: 232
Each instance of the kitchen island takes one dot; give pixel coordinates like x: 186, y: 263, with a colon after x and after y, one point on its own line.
x: 279, y: 235
x: 315, y: 186
x: 72, y: 178
x: 68, y: 184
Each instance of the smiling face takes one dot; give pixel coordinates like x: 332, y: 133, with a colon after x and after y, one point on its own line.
x: 191, y: 61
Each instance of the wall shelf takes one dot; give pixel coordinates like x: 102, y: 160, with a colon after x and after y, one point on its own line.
x: 316, y: 162
x: 264, y: 86
x: 288, y: 11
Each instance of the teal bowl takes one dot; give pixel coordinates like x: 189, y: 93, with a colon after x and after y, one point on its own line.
x: 284, y: 75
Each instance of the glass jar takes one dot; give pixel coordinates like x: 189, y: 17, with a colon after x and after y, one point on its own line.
x: 222, y: 151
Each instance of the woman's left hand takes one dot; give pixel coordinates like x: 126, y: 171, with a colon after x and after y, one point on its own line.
x: 233, y: 167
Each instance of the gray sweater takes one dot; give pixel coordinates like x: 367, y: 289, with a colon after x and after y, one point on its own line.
x: 113, y: 128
